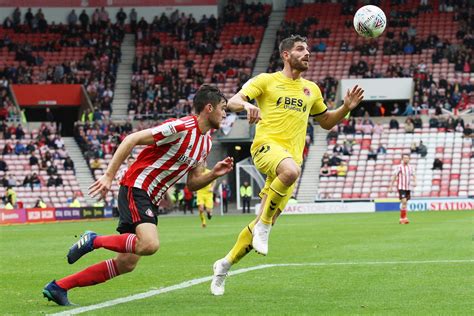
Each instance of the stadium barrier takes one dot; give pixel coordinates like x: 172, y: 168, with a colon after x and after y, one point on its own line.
x: 433, y: 204
x: 333, y: 207
x: 44, y: 215
x: 327, y: 207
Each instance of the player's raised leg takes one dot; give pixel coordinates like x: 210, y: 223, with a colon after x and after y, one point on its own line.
x: 280, y: 188
x: 242, y: 247
x: 147, y: 243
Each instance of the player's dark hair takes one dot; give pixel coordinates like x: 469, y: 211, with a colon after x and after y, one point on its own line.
x: 288, y: 43
x: 205, y: 95
x: 408, y: 155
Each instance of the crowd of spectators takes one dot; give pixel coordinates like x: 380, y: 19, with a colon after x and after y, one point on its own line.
x: 96, y: 69
x: 157, y: 91
x: 45, y: 151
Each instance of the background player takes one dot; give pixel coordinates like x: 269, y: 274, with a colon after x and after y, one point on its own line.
x: 176, y: 147
x: 404, y: 173
x: 285, y: 101
x: 205, y: 200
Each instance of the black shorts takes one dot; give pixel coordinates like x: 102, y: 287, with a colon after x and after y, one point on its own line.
x: 404, y: 194
x: 134, y: 207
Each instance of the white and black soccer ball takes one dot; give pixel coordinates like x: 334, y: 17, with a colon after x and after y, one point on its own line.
x: 370, y: 21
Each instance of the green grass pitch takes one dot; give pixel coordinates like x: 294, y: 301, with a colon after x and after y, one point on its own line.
x: 32, y: 255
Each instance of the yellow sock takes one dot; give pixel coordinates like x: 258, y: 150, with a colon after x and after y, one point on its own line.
x: 203, y: 218
x: 284, y: 200
x: 243, y: 245
x: 277, y: 192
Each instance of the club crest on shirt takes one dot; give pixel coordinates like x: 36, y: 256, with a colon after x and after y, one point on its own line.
x: 306, y: 91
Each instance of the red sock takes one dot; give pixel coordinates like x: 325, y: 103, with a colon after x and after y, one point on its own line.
x: 124, y: 243
x: 95, y: 274
x: 403, y: 213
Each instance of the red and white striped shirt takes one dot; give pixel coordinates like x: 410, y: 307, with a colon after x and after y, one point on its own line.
x: 179, y: 147
x: 404, y: 174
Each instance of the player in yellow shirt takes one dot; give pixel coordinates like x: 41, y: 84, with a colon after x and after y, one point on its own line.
x: 205, y: 200
x: 285, y: 101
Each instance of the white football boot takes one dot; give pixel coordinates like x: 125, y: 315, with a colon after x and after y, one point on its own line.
x: 261, y: 232
x: 221, y: 267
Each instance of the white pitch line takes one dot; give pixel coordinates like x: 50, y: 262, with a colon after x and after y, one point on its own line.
x: 192, y: 282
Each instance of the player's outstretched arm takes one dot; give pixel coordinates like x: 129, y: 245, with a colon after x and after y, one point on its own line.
x: 103, y: 184
x: 239, y: 103
x: 352, y: 99
x: 197, y: 179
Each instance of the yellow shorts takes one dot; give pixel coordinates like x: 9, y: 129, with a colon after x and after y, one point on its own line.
x: 206, y: 200
x: 266, y: 158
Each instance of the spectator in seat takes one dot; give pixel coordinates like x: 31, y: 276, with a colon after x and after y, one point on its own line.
x: 334, y: 161
x: 437, y: 164
x: 19, y: 132
x: 381, y: 150
x: 58, y: 181
x: 35, y: 181
x: 434, y: 123
x: 27, y: 181
x: 409, y: 110
x: 333, y: 134
x: 51, y: 182
x: 393, y: 124
x: 325, y: 171
x: 11, y: 180
x: 325, y: 159
x: 372, y: 154
x: 34, y: 160
x: 417, y: 122
x: 3, y: 165
x: 69, y: 164
x: 467, y: 133
x: 95, y: 164
x: 4, y: 181
x: 30, y: 148
x: 40, y: 203
x: 341, y: 170
x: 7, y: 149
x: 413, y: 148
x: 378, y: 129
x: 422, y: 150
x: 20, y: 148
x: 409, y: 127
x: 51, y: 169
x: 347, y: 148
x: 396, y: 110
x: 338, y: 149
x: 75, y: 202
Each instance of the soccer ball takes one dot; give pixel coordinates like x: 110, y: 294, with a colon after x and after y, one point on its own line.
x: 370, y: 21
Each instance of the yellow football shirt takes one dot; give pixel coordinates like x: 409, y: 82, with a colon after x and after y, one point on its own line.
x: 206, y: 190
x: 285, y: 105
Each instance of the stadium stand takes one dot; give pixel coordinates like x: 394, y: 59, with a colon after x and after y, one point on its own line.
x: 370, y: 177
x: 39, y: 153
x: 52, y: 54
x: 432, y: 44
x: 177, y: 54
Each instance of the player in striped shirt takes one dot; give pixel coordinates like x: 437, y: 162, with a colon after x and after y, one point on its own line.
x: 404, y: 175
x: 175, y: 148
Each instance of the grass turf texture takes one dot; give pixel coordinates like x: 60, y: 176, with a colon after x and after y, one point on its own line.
x: 33, y: 255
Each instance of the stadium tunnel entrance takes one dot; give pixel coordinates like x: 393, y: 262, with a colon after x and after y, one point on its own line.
x: 64, y: 117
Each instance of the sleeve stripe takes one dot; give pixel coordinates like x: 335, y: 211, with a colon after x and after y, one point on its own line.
x: 319, y: 113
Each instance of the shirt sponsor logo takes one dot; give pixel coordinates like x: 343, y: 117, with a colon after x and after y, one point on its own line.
x: 149, y: 213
